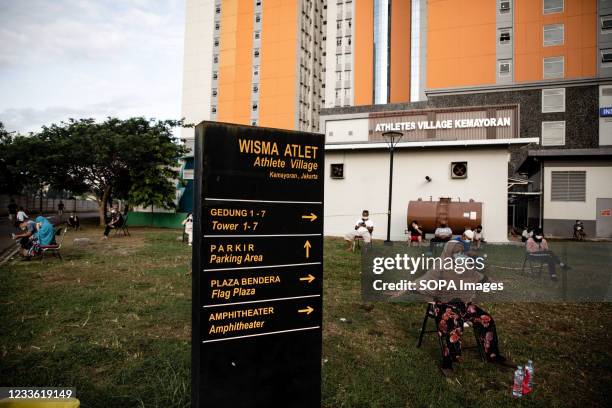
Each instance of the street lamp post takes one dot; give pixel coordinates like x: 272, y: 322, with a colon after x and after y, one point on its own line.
x: 392, y: 139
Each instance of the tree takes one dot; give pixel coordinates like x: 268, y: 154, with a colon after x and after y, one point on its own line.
x: 23, y: 164
x: 117, y: 159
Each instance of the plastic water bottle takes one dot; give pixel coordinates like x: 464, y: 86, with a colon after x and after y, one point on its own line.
x: 517, y: 387
x: 528, y: 380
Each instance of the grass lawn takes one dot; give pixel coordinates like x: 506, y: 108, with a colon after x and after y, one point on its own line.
x: 113, y: 320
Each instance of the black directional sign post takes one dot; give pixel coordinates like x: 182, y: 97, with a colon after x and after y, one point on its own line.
x: 257, y: 267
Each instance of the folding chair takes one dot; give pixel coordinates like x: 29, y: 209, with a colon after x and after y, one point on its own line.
x: 123, y: 228
x: 430, y: 314
x: 357, y: 243
x: 531, y: 259
x: 54, y: 248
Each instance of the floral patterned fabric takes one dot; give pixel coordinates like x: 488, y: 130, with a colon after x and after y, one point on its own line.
x: 449, y: 321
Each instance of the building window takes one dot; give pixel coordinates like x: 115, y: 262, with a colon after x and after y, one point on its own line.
x: 214, y: 92
x: 257, y: 18
x: 606, y: 56
x: 217, y: 26
x: 554, y: 67
x: 504, y: 6
x: 553, y: 34
x: 216, y: 42
x: 568, y: 185
x: 215, y: 59
x: 553, y: 100
x: 553, y: 133
x: 253, y: 123
x: 255, y: 106
x: 218, y: 10
x: 337, y: 170
x: 255, y: 88
x: 504, y: 36
x: 553, y: 6
x: 256, y: 53
x: 258, y: 3
x: 213, y: 109
x: 256, y: 70
x: 215, y: 75
x: 504, y: 68
x: 257, y: 35
x: 606, y: 23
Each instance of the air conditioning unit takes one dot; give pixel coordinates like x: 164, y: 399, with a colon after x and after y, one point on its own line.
x: 459, y: 170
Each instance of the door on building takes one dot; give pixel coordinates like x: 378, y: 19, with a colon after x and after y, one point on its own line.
x: 603, y: 224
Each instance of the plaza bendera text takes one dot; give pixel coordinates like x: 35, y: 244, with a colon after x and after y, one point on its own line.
x: 444, y: 124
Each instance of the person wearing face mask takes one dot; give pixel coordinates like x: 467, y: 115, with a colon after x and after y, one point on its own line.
x: 442, y: 234
x: 478, y: 237
x: 363, y: 228
x: 537, y: 248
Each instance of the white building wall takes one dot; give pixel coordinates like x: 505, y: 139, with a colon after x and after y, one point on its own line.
x: 350, y: 130
x: 330, y: 51
x: 366, y: 182
x: 598, y: 185
x: 197, y: 66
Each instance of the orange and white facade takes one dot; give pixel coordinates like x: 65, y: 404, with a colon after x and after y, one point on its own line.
x: 278, y: 62
x: 254, y: 62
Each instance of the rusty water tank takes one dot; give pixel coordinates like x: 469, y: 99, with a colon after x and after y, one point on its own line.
x: 457, y: 214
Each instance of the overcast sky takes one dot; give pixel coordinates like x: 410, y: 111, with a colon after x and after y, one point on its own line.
x: 89, y: 58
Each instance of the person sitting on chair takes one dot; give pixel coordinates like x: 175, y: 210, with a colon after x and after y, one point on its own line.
x: 28, y: 228
x: 416, y: 233
x: 478, y: 237
x: 526, y: 234
x: 35, y: 234
x: 363, y: 228
x: 442, y: 234
x: 537, y: 248
x: 116, y: 221
x: 73, y: 221
x: 579, y: 230
x: 453, y: 308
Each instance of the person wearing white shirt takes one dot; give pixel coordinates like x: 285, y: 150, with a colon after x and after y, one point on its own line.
x: 21, y: 215
x: 363, y: 228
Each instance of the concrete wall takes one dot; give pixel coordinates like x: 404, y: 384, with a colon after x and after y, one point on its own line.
x: 366, y: 181
x: 559, y: 216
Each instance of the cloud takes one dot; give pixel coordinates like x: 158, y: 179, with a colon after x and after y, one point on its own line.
x: 39, y: 32
x: 82, y: 58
